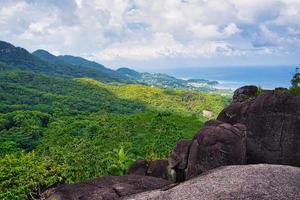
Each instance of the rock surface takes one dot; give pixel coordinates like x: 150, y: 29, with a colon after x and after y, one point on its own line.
x: 139, y: 167
x: 273, y: 124
x: 155, y: 168
x: 258, y: 127
x: 245, y: 93
x: 179, y: 156
x: 108, y: 188
x: 216, y: 144
x: 250, y: 182
x: 178, y: 161
x: 158, y: 168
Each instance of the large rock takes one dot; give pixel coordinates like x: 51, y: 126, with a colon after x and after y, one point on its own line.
x: 139, y: 167
x: 108, y: 188
x: 215, y: 145
x: 245, y: 93
x: 155, y: 168
x: 179, y: 156
x: 251, y: 182
x: 158, y: 168
x: 178, y: 161
x: 273, y: 124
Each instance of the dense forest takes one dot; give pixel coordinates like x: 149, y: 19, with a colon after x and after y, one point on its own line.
x: 56, y: 129
x: 66, y: 119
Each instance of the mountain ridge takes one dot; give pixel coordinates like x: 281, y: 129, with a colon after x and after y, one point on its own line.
x: 167, y: 81
x: 78, y: 67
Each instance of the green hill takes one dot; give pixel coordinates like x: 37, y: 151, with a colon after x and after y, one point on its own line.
x: 65, y: 119
x: 166, y: 81
x: 46, y: 56
x: 43, y: 62
x: 129, y: 73
x: 71, y: 66
x: 96, y: 66
x: 56, y: 129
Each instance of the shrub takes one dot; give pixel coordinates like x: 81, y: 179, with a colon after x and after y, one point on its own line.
x: 26, y: 175
x: 295, y: 88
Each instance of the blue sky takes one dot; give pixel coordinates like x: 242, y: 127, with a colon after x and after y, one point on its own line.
x: 158, y: 34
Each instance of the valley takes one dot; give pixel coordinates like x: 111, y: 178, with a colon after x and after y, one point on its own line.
x: 63, y: 123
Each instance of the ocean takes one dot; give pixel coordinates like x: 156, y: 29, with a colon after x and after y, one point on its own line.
x: 235, y: 77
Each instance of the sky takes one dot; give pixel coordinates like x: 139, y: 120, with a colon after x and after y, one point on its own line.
x: 158, y: 34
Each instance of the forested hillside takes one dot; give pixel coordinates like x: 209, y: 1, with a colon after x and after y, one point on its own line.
x: 166, y: 81
x: 44, y: 62
x: 56, y: 129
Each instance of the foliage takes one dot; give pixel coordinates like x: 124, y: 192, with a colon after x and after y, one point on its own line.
x: 61, y: 130
x: 22, y: 129
x: 295, y: 88
x: 260, y: 91
x: 27, y: 175
x: 44, y: 62
x: 166, y: 81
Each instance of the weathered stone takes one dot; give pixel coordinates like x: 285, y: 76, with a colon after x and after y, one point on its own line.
x: 108, y: 188
x: 252, y: 182
x: 245, y: 93
x: 215, y: 145
x: 178, y: 161
x: 273, y: 124
x: 158, y: 168
x: 179, y: 155
x: 139, y: 167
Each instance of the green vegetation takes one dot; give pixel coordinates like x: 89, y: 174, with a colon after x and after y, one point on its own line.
x: 260, y: 91
x: 43, y: 62
x: 166, y: 81
x: 295, y: 88
x: 62, y: 130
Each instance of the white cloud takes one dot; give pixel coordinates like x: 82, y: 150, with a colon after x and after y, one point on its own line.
x: 145, y: 30
x: 231, y: 29
x: 162, y: 45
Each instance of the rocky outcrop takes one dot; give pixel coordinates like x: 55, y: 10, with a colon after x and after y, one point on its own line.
x: 273, y: 123
x: 216, y: 144
x: 255, y: 182
x: 245, y: 93
x: 108, y: 188
x: 178, y: 161
x: 139, y: 167
x: 155, y: 168
x: 258, y: 127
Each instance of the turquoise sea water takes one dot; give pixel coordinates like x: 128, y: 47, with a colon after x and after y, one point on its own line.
x: 234, y: 77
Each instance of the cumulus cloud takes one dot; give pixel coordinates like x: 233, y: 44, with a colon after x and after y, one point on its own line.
x: 142, y: 30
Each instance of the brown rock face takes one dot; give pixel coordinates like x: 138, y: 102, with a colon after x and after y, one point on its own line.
x: 251, y: 182
x: 215, y: 145
x: 178, y: 161
x: 108, y: 188
x: 273, y: 124
x: 245, y: 93
x: 155, y: 168
x: 158, y: 168
x: 179, y: 156
x: 139, y: 167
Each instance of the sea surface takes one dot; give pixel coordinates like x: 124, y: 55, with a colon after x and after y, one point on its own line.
x: 234, y: 77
